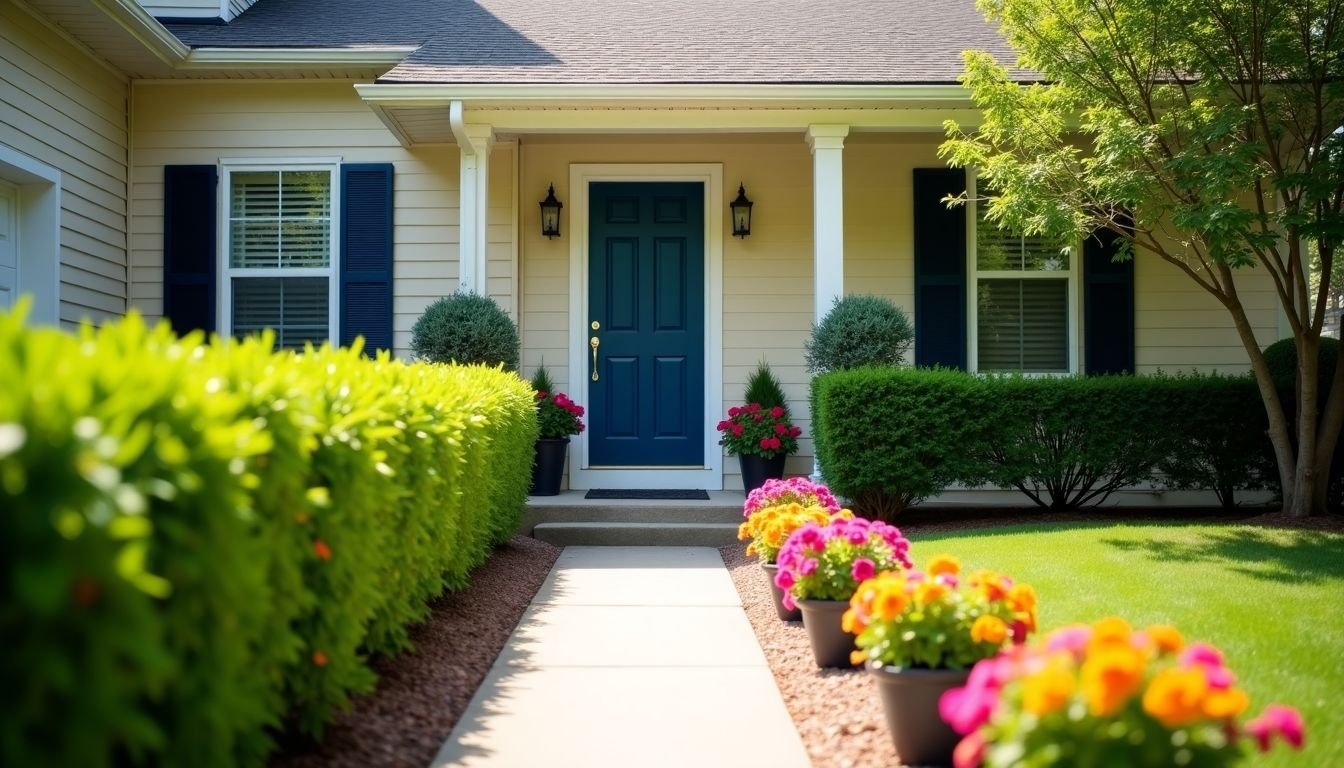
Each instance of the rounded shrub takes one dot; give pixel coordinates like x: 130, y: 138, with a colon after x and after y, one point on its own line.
x: 859, y: 331
x: 466, y: 328
x: 1281, y: 357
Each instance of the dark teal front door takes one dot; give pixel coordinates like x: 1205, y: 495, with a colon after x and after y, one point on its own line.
x: 646, y: 312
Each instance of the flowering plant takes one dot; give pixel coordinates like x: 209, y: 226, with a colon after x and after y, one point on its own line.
x: 769, y: 527
x: 795, y: 490
x: 754, y: 429
x: 557, y: 415
x: 1107, y: 695
x: 935, y: 620
x: 827, y: 562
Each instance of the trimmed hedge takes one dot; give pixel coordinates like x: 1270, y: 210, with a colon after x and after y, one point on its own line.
x: 203, y: 543
x: 887, y: 437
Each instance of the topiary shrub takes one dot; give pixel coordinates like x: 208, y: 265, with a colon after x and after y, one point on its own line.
x: 859, y: 331
x: 764, y: 388
x: 466, y: 328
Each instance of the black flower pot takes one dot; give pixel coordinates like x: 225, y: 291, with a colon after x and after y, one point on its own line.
x: 548, y: 466
x: 756, y: 470
x: 910, y: 701
x: 770, y: 569
x: 831, y: 645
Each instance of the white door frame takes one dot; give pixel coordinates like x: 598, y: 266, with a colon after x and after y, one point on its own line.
x: 710, y: 175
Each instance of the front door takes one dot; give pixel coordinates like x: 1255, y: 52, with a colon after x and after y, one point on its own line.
x: 646, y: 315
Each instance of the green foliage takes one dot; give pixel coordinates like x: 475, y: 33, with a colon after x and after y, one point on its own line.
x: 1205, y: 134
x: 466, y: 328
x: 764, y: 388
x: 203, y: 543
x: 558, y: 417
x: 541, y: 380
x: 859, y: 331
x: 888, y: 437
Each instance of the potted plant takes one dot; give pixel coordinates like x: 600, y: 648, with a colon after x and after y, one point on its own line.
x: 778, y: 499
x: 921, y: 632
x: 1108, y: 695
x: 558, y: 417
x: 820, y: 566
x: 760, y: 434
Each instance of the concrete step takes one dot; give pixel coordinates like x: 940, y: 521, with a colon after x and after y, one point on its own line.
x: 643, y: 534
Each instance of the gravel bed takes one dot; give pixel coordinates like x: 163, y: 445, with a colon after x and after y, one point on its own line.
x: 422, y: 693
x: 837, y: 712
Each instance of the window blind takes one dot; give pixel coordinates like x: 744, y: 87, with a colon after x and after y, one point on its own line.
x: 297, y: 308
x: 1022, y: 325
x: 280, y: 219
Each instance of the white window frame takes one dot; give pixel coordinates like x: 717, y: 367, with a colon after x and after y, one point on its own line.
x: 975, y: 275
x: 226, y: 273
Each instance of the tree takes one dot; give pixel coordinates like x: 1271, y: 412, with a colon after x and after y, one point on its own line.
x: 1203, y: 132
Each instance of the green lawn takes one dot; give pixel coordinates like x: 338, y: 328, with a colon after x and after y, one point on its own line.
x: 1272, y: 599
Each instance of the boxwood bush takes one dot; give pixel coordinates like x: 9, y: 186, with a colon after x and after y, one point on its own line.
x: 203, y: 542
x: 887, y: 437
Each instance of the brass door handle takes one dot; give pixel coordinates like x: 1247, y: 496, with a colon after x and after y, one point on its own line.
x: 594, y: 343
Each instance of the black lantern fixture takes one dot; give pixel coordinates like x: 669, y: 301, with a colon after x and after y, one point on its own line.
x: 741, y: 213
x: 550, y: 214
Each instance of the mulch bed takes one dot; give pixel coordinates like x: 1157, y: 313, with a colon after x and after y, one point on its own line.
x: 837, y: 712
x: 421, y: 694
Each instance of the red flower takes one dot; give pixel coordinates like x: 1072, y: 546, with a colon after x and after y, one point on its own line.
x: 541, y: 395
x: 321, y: 549
x: 765, y: 443
x: 737, y: 430
x: 319, y: 658
x: 795, y: 432
x: 777, y: 412
x: 754, y: 407
x: 758, y: 416
x: 774, y: 443
x: 733, y: 412
x: 781, y: 429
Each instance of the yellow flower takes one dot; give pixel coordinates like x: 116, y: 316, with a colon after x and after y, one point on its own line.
x: 1110, y: 675
x: 1165, y: 638
x: 1175, y: 696
x: 989, y: 629
x: 857, y: 657
x: 944, y: 564
x: 1108, y: 632
x: 890, y: 602
x: 1225, y: 703
x: 990, y: 584
x: 1049, y: 689
x: 1022, y: 598
x: 849, y: 622
x: 744, y: 531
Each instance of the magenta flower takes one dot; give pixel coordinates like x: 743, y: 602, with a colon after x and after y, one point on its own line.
x: 863, y: 569
x: 1202, y: 655
x: 1072, y: 639
x: 808, y: 567
x: 1278, y: 720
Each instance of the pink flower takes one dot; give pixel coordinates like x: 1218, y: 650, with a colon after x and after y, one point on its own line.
x: 808, y: 567
x: 734, y: 411
x: 774, y: 443
x: 857, y: 536
x: 784, y: 579
x: 722, y: 425
x: 757, y: 416
x: 1279, y: 720
x: 754, y: 408
x: 737, y: 430
x: 1072, y: 639
x: 863, y: 569
x: 561, y: 399
x: 970, y: 751
x: 777, y: 412
x: 795, y: 432
x: 780, y: 429
x: 1202, y: 655
x: 765, y: 443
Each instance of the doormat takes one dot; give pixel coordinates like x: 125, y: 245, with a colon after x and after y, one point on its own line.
x: 654, y: 493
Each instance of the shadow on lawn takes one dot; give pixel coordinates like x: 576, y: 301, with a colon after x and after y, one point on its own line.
x: 1303, y: 557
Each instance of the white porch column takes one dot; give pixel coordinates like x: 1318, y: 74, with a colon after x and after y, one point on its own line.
x: 828, y: 222
x: 828, y: 214
x: 474, y: 142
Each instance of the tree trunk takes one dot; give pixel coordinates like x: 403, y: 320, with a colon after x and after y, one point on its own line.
x: 1332, y: 420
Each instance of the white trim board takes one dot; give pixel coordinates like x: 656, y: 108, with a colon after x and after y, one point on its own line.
x: 709, y: 477
x: 39, y: 223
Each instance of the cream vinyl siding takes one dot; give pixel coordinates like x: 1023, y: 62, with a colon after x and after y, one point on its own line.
x: 186, y: 9
x: 199, y: 123
x: 62, y: 109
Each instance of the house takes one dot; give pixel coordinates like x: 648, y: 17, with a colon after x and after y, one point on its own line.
x: 330, y: 167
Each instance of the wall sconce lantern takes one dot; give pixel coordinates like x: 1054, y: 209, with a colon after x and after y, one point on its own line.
x: 550, y: 214
x: 741, y: 213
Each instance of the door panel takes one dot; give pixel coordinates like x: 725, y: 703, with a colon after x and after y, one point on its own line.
x: 646, y: 287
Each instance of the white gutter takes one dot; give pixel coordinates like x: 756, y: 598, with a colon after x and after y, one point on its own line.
x: 459, y: 126
x: 434, y: 94
x: 272, y: 58
x: 145, y: 28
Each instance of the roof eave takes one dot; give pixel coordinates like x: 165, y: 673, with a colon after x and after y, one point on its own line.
x: 760, y: 94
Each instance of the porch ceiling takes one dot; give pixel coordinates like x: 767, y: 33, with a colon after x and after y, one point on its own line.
x: 421, y: 114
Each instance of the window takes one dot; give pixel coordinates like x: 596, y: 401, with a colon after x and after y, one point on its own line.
x: 279, y: 270
x: 1021, y: 303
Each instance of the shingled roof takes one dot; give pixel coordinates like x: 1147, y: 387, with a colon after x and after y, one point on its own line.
x: 631, y: 41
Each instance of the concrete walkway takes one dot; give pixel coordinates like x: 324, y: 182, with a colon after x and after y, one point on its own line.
x: 629, y: 657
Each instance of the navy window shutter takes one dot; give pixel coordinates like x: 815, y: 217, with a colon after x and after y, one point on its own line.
x: 1108, y: 307
x: 189, y: 246
x: 366, y: 255
x: 940, y: 269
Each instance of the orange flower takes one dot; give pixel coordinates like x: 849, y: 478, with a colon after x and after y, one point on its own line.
x: 929, y: 592
x: 1049, y: 689
x: 1175, y: 696
x: 1110, y: 675
x: 990, y: 584
x: 1165, y: 637
x: 849, y: 622
x: 856, y: 658
x: 1022, y: 598
x: 989, y: 629
x: 944, y: 564
x: 1108, y: 632
x: 319, y: 658
x: 744, y: 532
x: 321, y: 549
x: 890, y: 601
x: 1225, y: 703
